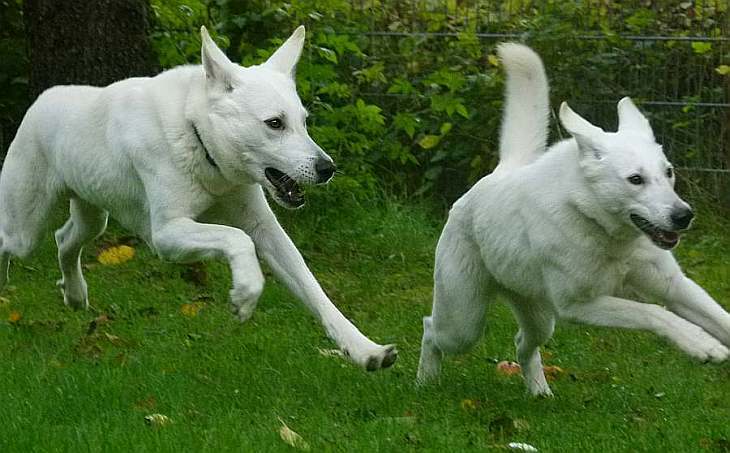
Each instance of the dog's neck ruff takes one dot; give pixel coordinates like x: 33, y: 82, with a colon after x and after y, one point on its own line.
x: 208, y: 157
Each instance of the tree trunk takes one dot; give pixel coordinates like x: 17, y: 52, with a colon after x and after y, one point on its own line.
x: 87, y: 42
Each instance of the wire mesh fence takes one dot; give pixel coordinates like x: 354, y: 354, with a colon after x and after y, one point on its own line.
x: 669, y: 56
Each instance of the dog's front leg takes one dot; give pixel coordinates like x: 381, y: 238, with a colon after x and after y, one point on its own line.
x: 658, y: 276
x: 277, y: 249
x: 616, y: 312
x: 183, y: 239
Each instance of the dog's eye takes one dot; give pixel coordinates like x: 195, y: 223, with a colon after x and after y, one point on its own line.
x: 670, y: 172
x: 636, y: 180
x: 275, y: 123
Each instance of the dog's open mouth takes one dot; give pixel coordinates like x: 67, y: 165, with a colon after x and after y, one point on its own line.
x: 287, y: 191
x: 662, y: 238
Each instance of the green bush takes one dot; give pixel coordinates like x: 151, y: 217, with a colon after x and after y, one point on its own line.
x: 419, y: 113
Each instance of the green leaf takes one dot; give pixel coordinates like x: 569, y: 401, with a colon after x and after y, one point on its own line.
x: 429, y: 141
x: 406, y: 122
x: 432, y: 173
x: 445, y: 128
x: 701, y: 48
x: 401, y: 86
x: 461, y: 110
x: 327, y: 54
x: 723, y: 69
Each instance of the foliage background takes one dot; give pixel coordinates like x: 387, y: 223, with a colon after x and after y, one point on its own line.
x: 406, y: 95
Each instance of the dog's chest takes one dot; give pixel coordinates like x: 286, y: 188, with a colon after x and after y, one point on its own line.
x: 592, y: 275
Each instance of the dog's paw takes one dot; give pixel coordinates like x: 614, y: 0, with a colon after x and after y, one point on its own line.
x: 716, y: 353
x: 704, y: 347
x: 538, y: 387
x: 243, y: 303
x: 243, y: 312
x: 382, y: 357
x: 544, y: 393
x: 74, y: 296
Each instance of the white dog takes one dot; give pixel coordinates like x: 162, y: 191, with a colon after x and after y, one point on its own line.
x: 569, y: 232
x: 180, y: 159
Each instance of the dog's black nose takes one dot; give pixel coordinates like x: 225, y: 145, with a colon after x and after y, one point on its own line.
x: 325, y: 169
x: 681, y: 217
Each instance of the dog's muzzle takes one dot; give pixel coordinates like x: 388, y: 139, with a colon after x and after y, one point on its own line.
x: 286, y: 190
x: 664, y: 239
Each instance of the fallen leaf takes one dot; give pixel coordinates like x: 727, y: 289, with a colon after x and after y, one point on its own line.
x: 552, y: 372
x: 116, y: 255
x: 521, y: 446
x: 157, y: 420
x: 507, y: 368
x: 147, y: 403
x: 96, y: 322
x: 191, y: 310
x: 4, y: 300
x: 291, y: 437
x: 14, y: 316
x: 469, y: 405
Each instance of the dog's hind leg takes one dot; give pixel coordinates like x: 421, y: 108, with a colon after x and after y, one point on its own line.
x: 85, y: 224
x: 28, y: 193
x: 459, y: 303
x: 537, y: 322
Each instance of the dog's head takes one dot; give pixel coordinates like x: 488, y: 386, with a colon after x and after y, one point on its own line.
x: 257, y: 122
x: 629, y: 174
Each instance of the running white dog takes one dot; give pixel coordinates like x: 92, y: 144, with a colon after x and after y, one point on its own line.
x: 180, y: 159
x: 568, y: 232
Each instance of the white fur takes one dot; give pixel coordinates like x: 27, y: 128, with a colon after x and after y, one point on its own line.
x: 553, y: 237
x: 129, y: 150
x: 525, y: 124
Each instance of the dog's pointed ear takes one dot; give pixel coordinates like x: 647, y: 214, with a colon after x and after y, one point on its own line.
x: 581, y: 129
x: 216, y: 65
x: 631, y: 118
x: 286, y: 57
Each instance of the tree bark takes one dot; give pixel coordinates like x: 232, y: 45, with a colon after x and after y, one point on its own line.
x: 88, y: 42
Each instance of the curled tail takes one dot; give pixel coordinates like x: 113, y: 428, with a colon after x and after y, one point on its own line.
x: 526, y: 112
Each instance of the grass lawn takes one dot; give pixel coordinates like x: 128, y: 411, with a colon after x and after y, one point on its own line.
x: 170, y: 346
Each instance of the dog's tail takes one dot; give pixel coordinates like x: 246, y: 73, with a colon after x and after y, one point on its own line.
x: 526, y: 112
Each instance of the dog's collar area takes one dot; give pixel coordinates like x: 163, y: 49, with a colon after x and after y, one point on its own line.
x: 208, y: 157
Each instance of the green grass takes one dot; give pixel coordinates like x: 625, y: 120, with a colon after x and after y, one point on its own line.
x: 64, y: 387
